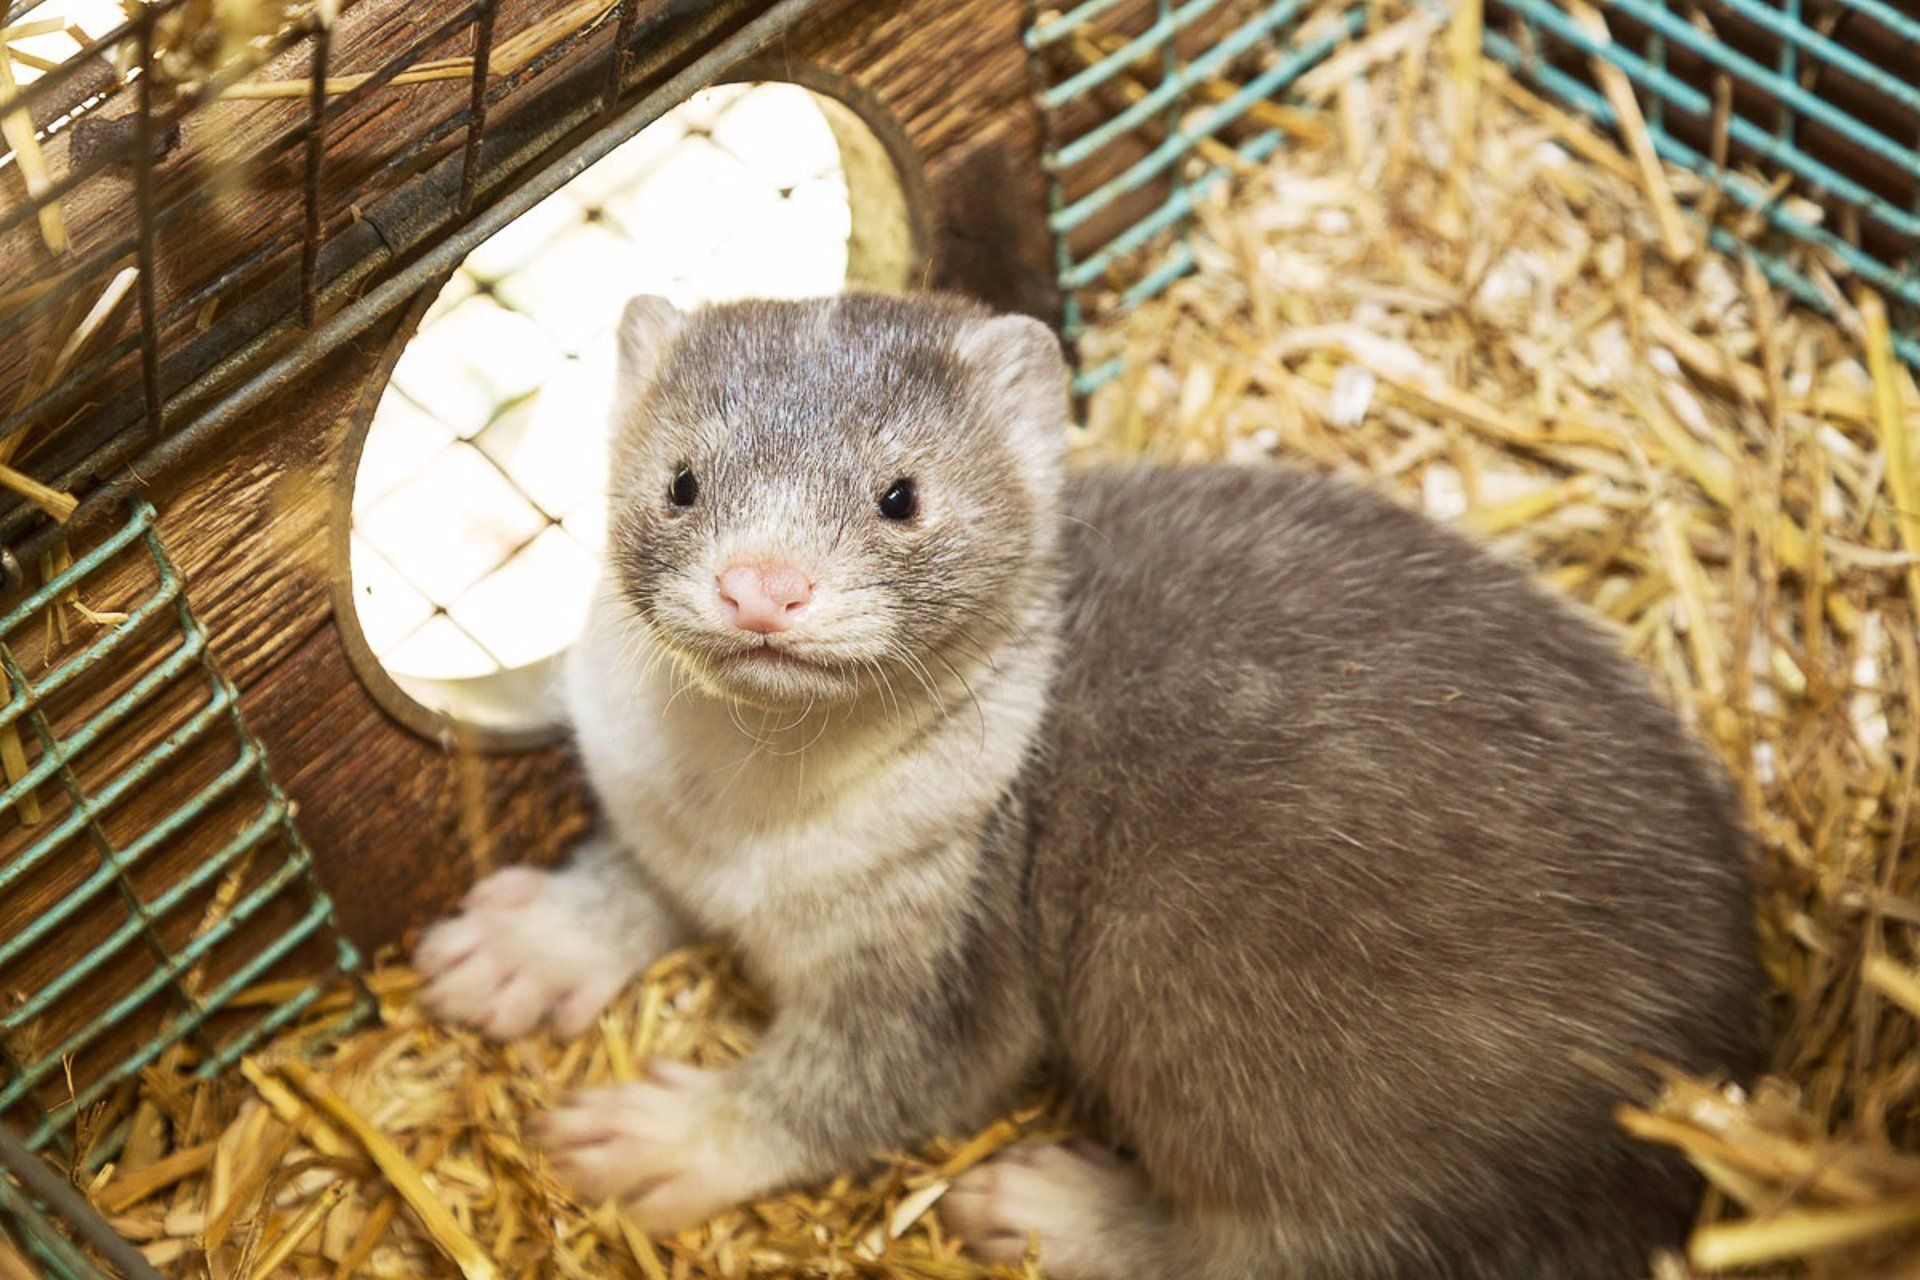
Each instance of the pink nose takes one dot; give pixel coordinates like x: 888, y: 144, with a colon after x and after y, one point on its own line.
x: 763, y: 597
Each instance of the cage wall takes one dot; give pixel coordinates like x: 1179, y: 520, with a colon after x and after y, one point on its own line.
x: 1804, y: 117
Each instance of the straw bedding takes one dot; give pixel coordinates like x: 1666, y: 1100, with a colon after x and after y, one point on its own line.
x: 1520, y: 336
x: 398, y: 1151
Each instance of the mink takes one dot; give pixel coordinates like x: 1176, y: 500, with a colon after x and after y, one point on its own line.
x: 1344, y: 878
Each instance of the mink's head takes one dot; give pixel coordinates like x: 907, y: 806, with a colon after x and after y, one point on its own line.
x: 815, y: 501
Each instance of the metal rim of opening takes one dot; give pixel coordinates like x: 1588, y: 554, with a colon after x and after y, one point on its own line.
x: 517, y: 708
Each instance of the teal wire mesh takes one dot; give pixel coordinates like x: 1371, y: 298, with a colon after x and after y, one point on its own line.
x: 155, y: 897
x: 1119, y: 85
x: 1803, y: 114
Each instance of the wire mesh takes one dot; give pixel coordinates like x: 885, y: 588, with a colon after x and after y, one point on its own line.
x: 151, y: 862
x: 1804, y: 114
x: 1131, y: 143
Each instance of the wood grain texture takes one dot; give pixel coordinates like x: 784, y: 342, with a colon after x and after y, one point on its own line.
x: 231, y: 195
x: 953, y: 73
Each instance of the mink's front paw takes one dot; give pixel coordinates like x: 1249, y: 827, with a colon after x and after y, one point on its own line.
x: 1066, y: 1198
x: 517, y: 953
x: 663, y: 1146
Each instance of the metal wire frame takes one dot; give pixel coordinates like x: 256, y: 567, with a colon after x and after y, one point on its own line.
x: 244, y: 275
x: 1134, y: 253
x: 245, y: 357
x: 265, y: 846
x: 151, y: 220
x: 1118, y: 273
x: 1804, y: 50
x: 40, y: 1197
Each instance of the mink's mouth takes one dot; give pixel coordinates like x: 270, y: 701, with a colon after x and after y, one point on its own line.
x: 769, y: 655
x: 774, y: 677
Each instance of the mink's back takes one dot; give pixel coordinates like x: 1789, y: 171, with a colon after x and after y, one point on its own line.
x: 1367, y: 871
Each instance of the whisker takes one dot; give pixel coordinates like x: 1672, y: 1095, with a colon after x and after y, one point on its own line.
x: 979, y: 713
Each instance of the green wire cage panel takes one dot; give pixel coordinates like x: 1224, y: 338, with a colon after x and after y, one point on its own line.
x: 1123, y: 180
x: 161, y: 902
x: 1804, y: 114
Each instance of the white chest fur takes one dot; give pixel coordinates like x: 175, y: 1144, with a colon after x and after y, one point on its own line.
x: 795, y: 840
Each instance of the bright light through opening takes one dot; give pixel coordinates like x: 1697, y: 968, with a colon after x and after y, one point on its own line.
x: 477, y: 504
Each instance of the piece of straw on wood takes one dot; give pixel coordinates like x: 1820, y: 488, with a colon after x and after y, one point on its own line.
x: 17, y: 127
x: 87, y: 329
x: 49, y: 499
x: 13, y: 761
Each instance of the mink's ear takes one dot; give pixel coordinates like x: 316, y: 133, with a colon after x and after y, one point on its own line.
x: 1019, y: 366
x: 648, y: 326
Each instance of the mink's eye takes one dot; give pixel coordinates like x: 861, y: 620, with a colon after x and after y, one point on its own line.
x: 901, y: 501
x: 683, y: 488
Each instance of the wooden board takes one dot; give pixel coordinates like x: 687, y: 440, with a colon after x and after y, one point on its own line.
x: 243, y: 161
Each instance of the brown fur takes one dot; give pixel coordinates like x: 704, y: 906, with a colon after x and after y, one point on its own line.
x: 1364, y: 871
